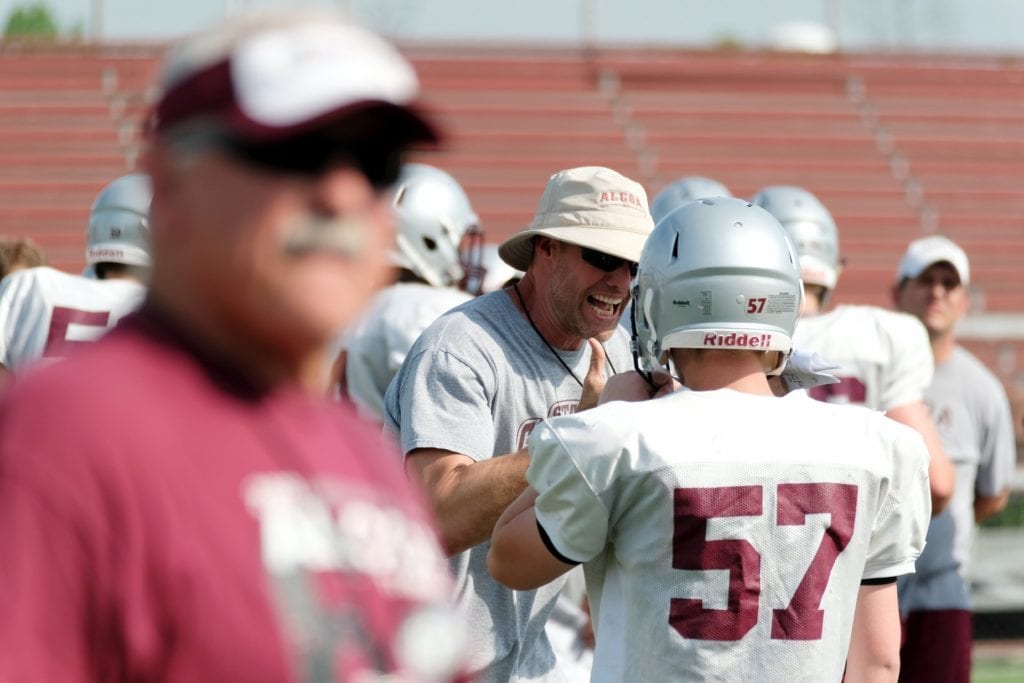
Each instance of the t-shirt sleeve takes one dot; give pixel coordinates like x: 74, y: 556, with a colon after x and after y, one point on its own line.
x: 567, y: 507
x: 903, y: 514
x: 998, y: 452
x: 443, y: 402
x: 911, y: 364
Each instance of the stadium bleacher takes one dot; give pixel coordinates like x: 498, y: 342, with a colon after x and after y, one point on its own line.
x: 898, y: 146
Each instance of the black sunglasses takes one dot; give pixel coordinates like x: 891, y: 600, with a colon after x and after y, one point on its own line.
x: 606, y: 262
x: 313, y: 154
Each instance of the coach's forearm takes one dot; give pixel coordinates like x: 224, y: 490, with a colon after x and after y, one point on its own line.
x: 468, y: 497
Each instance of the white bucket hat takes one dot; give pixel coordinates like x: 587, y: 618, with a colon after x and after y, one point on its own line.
x: 589, y: 206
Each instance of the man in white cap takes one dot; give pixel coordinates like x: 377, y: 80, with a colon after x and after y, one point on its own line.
x: 200, y: 511
x: 972, y: 414
x: 480, y: 378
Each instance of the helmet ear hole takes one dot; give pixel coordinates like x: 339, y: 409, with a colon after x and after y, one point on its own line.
x: 675, y: 247
x: 430, y: 243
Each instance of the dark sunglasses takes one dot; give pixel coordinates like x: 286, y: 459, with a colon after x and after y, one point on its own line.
x: 312, y: 155
x: 606, y: 262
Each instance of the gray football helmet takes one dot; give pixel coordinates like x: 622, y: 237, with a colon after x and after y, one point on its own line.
x: 118, y: 229
x: 438, y: 232
x: 717, y: 273
x: 683, y: 191
x: 810, y: 226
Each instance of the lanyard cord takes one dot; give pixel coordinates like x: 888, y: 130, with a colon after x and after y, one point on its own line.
x: 557, y: 355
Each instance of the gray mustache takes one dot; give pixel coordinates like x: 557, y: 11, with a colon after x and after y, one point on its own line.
x: 343, y: 236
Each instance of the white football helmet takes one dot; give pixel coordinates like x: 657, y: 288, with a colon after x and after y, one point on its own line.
x: 810, y: 226
x: 438, y: 232
x: 717, y: 273
x: 119, y: 222
x: 496, y: 272
x: 683, y: 191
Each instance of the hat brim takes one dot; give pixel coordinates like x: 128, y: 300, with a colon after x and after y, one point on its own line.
x: 517, y: 250
x: 362, y: 121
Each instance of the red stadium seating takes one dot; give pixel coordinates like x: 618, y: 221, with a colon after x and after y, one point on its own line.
x: 898, y: 146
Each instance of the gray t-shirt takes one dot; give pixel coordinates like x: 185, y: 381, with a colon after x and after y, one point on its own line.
x: 972, y: 414
x: 476, y: 382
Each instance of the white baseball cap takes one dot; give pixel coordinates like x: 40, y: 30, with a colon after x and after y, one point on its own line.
x: 589, y: 206
x: 272, y: 74
x: 922, y: 253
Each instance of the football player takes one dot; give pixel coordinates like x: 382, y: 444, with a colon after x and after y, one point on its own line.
x: 437, y: 253
x: 725, y: 533
x: 45, y: 313
x: 683, y: 191
x: 884, y: 357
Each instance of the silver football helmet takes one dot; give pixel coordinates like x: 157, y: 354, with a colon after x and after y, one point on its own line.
x: 810, y: 226
x: 438, y: 232
x: 718, y: 273
x: 119, y: 222
x: 683, y: 191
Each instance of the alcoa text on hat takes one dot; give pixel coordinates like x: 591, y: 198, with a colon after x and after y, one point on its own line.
x: 589, y: 206
x: 921, y: 254
x: 268, y: 75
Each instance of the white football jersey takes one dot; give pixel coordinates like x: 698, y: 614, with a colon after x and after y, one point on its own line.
x: 726, y: 535
x: 45, y: 313
x: 378, y: 343
x: 884, y: 357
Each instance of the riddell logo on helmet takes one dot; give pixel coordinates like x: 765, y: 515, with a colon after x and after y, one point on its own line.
x: 621, y: 197
x: 99, y: 252
x: 738, y: 340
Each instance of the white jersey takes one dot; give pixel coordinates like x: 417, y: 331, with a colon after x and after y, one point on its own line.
x: 45, y: 313
x: 884, y: 357
x: 378, y: 343
x: 726, y: 535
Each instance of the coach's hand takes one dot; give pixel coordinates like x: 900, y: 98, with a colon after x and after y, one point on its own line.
x: 631, y: 386
x: 593, y: 383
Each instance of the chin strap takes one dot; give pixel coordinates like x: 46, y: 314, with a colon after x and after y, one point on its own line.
x: 634, y: 346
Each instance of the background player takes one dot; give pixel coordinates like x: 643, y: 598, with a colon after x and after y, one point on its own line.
x: 883, y: 357
x: 658, y: 524
x: 438, y: 251
x: 683, y: 191
x: 45, y: 313
x: 972, y: 414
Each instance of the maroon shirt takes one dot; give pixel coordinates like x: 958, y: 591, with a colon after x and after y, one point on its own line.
x: 162, y: 521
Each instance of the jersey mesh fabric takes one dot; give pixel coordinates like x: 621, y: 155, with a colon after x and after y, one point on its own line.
x: 621, y: 490
x: 885, y: 357
x: 46, y: 312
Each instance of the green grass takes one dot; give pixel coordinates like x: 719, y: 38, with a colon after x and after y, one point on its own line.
x: 998, y: 670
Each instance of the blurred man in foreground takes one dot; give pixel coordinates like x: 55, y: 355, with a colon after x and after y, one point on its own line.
x: 203, y: 513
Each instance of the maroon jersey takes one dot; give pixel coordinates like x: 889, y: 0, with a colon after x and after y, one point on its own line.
x: 162, y: 520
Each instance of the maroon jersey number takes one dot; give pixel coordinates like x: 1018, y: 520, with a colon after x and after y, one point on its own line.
x: 802, y: 618
x: 846, y: 390
x: 57, y: 343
